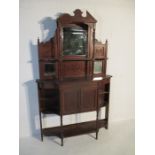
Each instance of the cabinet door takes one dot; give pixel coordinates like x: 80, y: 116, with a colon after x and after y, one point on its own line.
x: 88, y: 98
x: 70, y: 98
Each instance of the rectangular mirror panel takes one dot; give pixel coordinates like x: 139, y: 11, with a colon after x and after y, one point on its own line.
x: 97, y: 67
x: 49, y: 69
x: 74, y: 41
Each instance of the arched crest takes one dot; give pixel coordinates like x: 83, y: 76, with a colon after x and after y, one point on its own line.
x: 77, y: 18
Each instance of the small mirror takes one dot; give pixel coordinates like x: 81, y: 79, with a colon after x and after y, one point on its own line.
x: 49, y: 69
x: 97, y: 67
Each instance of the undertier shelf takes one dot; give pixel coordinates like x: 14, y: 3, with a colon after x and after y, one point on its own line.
x: 75, y: 129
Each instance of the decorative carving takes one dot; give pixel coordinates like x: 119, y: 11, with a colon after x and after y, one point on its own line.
x: 78, y: 12
x: 66, y: 18
x: 100, y: 49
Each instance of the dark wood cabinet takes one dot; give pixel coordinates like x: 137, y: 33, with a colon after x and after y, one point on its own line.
x: 73, y: 76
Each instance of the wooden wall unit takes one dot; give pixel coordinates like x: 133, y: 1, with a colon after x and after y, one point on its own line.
x: 73, y: 76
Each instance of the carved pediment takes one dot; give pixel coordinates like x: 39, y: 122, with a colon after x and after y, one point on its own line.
x: 77, y: 18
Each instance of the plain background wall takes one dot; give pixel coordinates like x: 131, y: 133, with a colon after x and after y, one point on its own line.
x: 115, y: 23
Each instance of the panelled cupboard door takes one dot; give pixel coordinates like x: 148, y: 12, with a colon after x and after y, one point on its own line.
x: 79, y: 99
x: 88, y: 99
x: 70, y: 99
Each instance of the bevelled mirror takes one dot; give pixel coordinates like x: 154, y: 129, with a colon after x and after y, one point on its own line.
x: 50, y: 69
x: 98, y: 67
x: 75, y: 40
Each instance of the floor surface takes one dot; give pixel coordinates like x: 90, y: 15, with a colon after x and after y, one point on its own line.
x: 117, y: 140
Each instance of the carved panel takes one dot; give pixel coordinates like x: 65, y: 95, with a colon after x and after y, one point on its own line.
x: 45, y: 50
x: 100, y: 51
x: 74, y: 69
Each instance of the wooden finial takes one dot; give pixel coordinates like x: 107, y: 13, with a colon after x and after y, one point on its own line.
x: 78, y: 12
